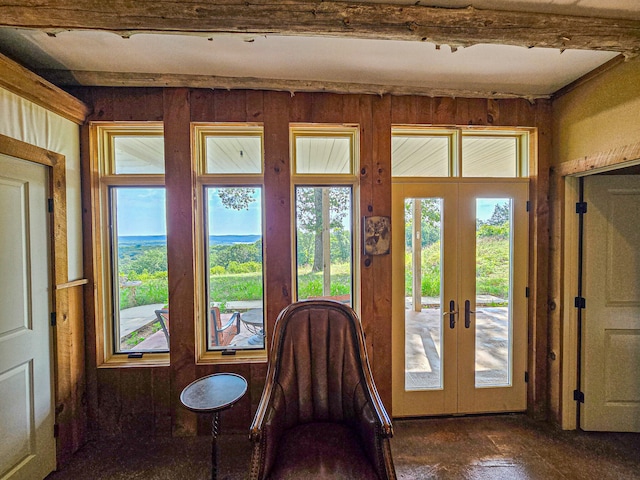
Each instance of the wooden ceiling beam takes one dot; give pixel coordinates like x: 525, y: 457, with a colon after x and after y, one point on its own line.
x: 132, y: 79
x: 451, y: 26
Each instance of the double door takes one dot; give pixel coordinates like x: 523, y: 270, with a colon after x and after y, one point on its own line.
x: 459, y: 295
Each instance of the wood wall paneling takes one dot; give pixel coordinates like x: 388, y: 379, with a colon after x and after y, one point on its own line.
x: 179, y: 184
x: 277, y: 206
x: 378, y: 297
x: 158, y: 389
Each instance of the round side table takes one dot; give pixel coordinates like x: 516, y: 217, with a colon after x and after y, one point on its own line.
x: 212, y: 394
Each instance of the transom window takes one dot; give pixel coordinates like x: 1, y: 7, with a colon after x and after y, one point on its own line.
x: 461, y: 152
x: 229, y: 162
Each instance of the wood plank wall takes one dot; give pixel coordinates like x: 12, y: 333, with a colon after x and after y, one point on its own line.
x: 144, y: 401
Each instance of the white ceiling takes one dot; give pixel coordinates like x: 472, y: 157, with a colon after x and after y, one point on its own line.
x: 527, y: 72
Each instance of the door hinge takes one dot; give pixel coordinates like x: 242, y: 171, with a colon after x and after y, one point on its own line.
x: 580, y: 302
x: 526, y: 377
x: 53, y: 319
x: 581, y: 208
x: 50, y: 205
x: 56, y: 430
x: 578, y: 396
x: 528, y: 206
x: 526, y: 292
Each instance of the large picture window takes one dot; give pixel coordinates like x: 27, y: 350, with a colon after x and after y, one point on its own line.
x: 230, y: 163
x: 325, y: 189
x: 132, y: 239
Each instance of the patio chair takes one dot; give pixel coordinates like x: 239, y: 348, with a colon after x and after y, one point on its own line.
x: 163, y: 318
x: 222, y: 335
x: 320, y: 415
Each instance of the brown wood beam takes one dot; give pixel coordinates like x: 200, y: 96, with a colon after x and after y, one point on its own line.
x: 30, y: 86
x: 131, y: 79
x: 452, y: 26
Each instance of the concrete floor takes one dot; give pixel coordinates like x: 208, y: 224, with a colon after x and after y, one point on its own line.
x: 480, y: 447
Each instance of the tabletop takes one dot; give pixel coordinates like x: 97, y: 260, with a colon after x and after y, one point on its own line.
x: 213, y: 392
x: 254, y: 316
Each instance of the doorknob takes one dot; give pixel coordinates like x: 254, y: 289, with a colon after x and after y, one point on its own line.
x: 452, y: 314
x: 467, y: 313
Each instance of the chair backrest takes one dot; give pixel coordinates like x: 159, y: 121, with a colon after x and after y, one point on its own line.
x: 222, y: 335
x: 319, y: 362
x: 163, y: 317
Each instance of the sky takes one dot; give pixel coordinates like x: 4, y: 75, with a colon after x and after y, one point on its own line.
x: 142, y: 212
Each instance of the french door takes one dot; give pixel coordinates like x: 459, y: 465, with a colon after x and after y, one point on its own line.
x: 459, y: 296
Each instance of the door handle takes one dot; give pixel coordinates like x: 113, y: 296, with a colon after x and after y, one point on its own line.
x: 467, y: 313
x: 452, y: 314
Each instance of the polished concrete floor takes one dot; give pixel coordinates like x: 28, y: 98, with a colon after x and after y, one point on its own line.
x: 482, y: 447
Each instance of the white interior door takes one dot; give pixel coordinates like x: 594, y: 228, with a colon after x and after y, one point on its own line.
x: 611, y: 319
x: 459, y: 293
x: 27, y: 444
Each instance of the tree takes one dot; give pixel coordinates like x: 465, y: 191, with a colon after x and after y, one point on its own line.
x: 309, y: 211
x: 430, y: 217
x: 501, y: 215
x: 236, y: 198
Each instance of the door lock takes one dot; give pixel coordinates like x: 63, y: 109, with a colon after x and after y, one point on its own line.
x: 452, y: 314
x: 467, y: 313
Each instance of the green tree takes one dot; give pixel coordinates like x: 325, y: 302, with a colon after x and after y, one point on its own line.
x: 236, y: 198
x: 501, y: 214
x: 151, y: 260
x: 430, y: 217
x: 310, y: 216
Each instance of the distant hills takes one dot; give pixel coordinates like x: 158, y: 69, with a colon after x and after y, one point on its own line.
x: 149, y: 240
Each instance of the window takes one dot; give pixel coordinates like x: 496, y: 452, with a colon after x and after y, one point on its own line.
x: 325, y: 189
x: 132, y: 239
x: 230, y: 164
x: 422, y: 152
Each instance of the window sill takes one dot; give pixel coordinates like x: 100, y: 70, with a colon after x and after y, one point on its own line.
x: 240, y: 356
x: 147, y: 360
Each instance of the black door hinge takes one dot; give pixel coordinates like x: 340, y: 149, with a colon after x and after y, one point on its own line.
x: 580, y: 302
x: 581, y: 207
x: 50, y: 205
x: 526, y: 377
x: 578, y: 396
x: 526, y: 292
x: 528, y: 206
x: 56, y: 430
x: 53, y: 319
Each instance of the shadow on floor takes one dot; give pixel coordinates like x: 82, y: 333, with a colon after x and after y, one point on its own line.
x: 481, y: 447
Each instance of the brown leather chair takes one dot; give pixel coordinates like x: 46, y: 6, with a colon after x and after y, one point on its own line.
x: 320, y: 415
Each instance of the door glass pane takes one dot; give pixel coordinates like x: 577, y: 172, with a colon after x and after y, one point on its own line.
x: 235, y: 313
x: 420, y: 155
x: 484, y: 156
x: 140, y: 269
x: 423, y: 293
x: 493, y: 292
x: 324, y: 240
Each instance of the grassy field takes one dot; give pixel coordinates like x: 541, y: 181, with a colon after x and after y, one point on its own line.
x: 492, y: 278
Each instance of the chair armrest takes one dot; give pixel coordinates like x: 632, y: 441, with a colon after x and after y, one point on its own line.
x: 266, y: 429
x: 375, y: 430
x: 235, y: 318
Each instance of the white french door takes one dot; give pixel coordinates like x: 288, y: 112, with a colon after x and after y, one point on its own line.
x: 459, y: 296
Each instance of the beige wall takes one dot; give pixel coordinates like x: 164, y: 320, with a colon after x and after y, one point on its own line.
x: 599, y: 115
x: 31, y: 123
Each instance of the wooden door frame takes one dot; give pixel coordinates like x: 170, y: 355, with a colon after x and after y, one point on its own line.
x: 68, y: 334
x: 563, y: 335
